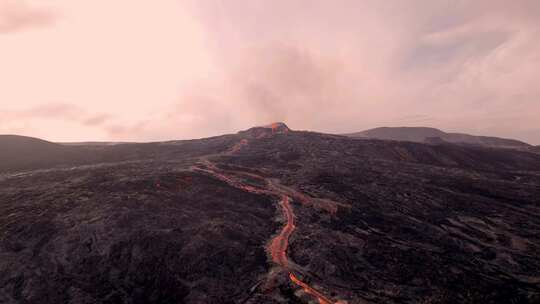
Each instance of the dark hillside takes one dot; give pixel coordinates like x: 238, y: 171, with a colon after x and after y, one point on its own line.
x: 269, y: 215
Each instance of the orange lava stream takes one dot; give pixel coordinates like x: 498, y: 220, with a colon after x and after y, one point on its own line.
x: 309, y: 290
x: 278, y: 250
x: 280, y: 243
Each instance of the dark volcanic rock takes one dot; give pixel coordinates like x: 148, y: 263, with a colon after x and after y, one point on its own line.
x: 381, y: 222
x: 265, y: 131
x: 130, y: 234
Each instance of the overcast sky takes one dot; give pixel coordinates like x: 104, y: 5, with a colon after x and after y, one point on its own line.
x: 74, y: 70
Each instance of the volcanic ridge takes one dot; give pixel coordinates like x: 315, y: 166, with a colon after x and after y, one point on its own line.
x: 269, y: 215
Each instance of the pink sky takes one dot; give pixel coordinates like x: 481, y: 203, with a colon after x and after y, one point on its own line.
x: 150, y: 70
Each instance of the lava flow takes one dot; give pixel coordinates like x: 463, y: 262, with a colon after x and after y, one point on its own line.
x: 279, y: 244
x: 278, y: 250
x: 309, y: 290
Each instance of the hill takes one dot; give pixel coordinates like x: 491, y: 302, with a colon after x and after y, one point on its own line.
x: 432, y: 135
x: 21, y: 152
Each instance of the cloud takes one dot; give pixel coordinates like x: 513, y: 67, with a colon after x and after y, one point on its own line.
x: 18, y: 15
x: 349, y: 65
x: 56, y: 112
x: 277, y: 82
x: 53, y: 110
x: 124, y: 131
x: 97, y: 120
x: 194, y: 115
x: 185, y: 69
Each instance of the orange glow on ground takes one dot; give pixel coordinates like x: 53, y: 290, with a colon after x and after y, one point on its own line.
x: 310, y: 290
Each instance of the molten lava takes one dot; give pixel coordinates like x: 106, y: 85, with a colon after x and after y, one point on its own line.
x: 278, y: 128
x: 278, y: 250
x: 310, y: 290
x: 279, y: 245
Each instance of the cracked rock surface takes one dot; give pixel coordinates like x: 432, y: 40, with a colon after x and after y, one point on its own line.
x: 377, y: 221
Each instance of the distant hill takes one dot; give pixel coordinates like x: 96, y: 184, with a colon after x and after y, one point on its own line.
x: 432, y: 135
x: 11, y: 143
x: 28, y: 153
x: 92, y: 143
x: 22, y: 151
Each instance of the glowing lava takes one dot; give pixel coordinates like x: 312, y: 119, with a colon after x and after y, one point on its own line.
x: 309, y: 290
x: 278, y: 128
x: 278, y: 250
x: 279, y: 245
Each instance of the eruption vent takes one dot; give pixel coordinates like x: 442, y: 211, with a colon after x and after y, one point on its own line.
x: 277, y: 127
x: 267, y: 131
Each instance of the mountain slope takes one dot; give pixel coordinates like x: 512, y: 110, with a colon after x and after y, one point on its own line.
x: 432, y: 135
x: 15, y: 144
x: 21, y: 152
x: 273, y: 215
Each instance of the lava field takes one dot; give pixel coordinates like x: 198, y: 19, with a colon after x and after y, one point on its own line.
x: 268, y: 215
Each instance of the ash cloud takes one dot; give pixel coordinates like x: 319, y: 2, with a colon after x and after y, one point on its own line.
x: 282, y: 83
x: 57, y: 112
x: 349, y: 65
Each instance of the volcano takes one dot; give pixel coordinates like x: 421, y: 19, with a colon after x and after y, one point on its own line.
x: 268, y: 215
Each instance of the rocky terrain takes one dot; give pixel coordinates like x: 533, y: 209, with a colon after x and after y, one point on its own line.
x: 269, y: 215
